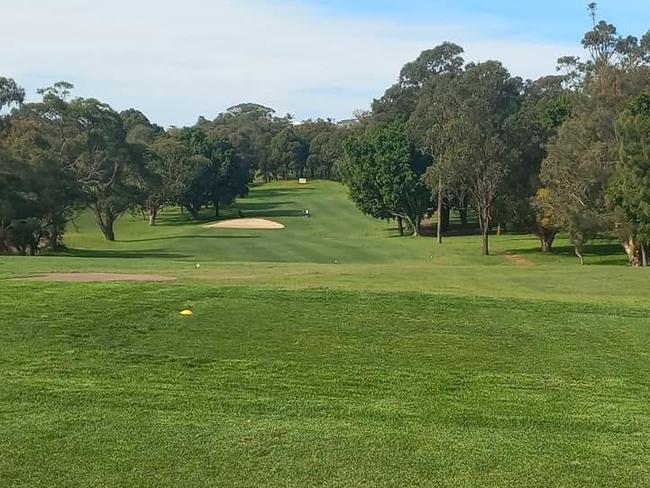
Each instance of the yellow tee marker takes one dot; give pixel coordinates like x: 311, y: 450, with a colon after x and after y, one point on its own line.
x: 187, y: 313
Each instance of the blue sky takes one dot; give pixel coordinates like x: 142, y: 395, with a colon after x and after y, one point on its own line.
x: 312, y: 58
x: 552, y: 19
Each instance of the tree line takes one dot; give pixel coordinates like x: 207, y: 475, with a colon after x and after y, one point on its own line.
x: 567, y: 153
x: 64, y: 154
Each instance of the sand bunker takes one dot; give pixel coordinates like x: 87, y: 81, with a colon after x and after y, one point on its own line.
x: 99, y: 277
x: 258, y: 224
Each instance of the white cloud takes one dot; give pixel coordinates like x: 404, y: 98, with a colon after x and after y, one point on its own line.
x: 177, y: 60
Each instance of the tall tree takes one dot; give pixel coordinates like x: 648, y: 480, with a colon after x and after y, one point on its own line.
x: 106, y: 165
x: 583, y: 157
x: 384, y: 173
x: 171, y: 168
x: 289, y: 150
x: 220, y: 178
x: 482, y: 151
x: 432, y: 74
x: 631, y: 188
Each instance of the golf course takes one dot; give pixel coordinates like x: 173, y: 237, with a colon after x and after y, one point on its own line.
x: 330, y: 353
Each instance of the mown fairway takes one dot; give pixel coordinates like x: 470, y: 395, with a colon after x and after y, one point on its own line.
x: 404, y: 364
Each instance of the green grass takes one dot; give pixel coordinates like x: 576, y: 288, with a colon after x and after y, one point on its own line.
x: 106, y: 385
x: 405, y: 364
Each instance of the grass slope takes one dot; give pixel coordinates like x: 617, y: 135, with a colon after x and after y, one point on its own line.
x: 406, y: 364
x: 368, y: 254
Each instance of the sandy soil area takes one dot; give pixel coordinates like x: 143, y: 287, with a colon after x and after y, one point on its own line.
x: 98, y: 277
x: 259, y: 224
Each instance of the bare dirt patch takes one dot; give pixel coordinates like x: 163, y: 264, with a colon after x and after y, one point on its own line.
x: 98, y: 277
x: 517, y: 259
x: 251, y: 224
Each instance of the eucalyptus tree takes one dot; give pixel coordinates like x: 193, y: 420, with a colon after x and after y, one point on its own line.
x: 219, y: 177
x: 400, y: 100
x: 631, y: 187
x: 106, y: 165
x: 463, y: 119
x: 582, y: 161
x: 290, y: 151
x: 10, y: 92
x: 250, y: 128
x: 432, y: 74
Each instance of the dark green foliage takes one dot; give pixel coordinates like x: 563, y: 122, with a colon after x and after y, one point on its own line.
x: 220, y: 177
x: 38, y: 181
x: 384, y: 173
x: 289, y: 152
x: 631, y: 188
x: 10, y: 92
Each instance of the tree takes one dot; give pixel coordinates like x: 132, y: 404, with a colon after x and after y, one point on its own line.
x: 401, y: 100
x: 580, y: 170
x: 220, y: 177
x: 250, y: 128
x: 546, y: 104
x: 289, y: 151
x: 10, y: 93
x: 478, y: 140
x: 54, y: 190
x: 44, y: 191
x: 170, y: 170
x: 384, y: 173
x: 547, y: 223
x: 631, y: 189
x: 433, y: 74
x: 106, y: 165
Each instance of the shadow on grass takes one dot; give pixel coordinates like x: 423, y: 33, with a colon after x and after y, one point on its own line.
x: 248, y: 209
x: 89, y: 253
x: 184, y: 219
x: 171, y: 238
x: 606, y: 253
x: 277, y: 192
x: 260, y: 210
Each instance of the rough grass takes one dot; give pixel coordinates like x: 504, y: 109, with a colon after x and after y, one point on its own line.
x: 405, y: 364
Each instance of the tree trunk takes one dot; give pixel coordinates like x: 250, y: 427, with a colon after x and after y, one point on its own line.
x: 446, y: 219
x: 546, y: 239
x: 108, y: 231
x: 217, y: 209
x: 417, y: 226
x: 644, y: 255
x: 633, y: 252
x: 153, y: 215
x: 105, y: 222
x: 53, y: 239
x: 400, y: 226
x: 463, y: 217
x: 4, y: 238
x: 440, y: 190
x: 193, y: 209
x: 486, y: 239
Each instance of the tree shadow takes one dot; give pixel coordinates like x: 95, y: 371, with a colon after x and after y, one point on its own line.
x: 278, y: 192
x: 183, y: 219
x: 88, y: 253
x: 613, y: 253
x: 172, y: 238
